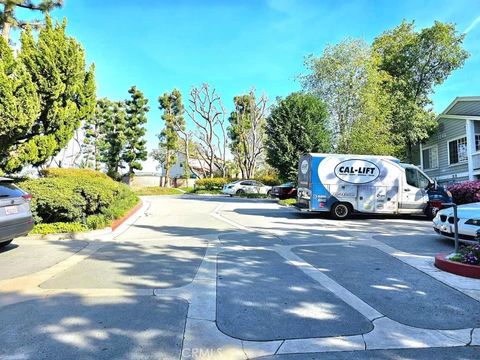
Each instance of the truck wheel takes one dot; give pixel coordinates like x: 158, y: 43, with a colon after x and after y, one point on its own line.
x: 340, y: 211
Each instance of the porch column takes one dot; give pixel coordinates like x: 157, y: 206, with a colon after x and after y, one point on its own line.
x: 470, y: 127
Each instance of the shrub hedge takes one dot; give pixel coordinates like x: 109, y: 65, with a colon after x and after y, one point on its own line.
x: 60, y: 172
x: 78, y: 196
x: 211, y: 183
x: 269, y: 180
x: 465, y: 192
x: 59, y: 227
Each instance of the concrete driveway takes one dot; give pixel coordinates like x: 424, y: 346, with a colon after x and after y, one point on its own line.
x: 221, y: 278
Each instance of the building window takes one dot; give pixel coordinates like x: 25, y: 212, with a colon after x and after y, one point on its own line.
x: 477, y: 142
x: 457, y: 151
x: 430, y: 158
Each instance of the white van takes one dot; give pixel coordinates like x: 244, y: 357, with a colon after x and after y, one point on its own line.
x: 341, y: 184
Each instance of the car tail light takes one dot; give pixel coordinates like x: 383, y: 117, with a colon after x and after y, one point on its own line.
x: 27, y: 197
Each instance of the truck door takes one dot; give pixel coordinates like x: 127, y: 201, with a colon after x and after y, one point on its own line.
x: 414, y: 195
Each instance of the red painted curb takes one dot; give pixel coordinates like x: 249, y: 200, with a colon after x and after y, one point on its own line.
x: 457, y: 268
x: 116, y: 223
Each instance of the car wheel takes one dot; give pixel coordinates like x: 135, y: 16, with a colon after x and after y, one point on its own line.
x: 240, y: 192
x: 340, y: 211
x: 5, y: 243
x: 431, y: 212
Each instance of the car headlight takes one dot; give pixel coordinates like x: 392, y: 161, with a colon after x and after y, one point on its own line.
x: 475, y: 222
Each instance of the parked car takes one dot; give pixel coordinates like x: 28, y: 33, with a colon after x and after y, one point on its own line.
x: 15, y: 213
x: 468, y: 222
x: 285, y: 191
x: 242, y: 187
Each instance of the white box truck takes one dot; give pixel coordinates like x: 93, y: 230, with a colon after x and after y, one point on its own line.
x: 342, y: 184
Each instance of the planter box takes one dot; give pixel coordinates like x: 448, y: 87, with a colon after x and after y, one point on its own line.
x: 457, y: 268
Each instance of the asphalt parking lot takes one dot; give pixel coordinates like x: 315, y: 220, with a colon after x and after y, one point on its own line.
x: 213, y: 277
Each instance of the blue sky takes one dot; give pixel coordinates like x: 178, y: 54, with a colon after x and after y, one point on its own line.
x: 234, y: 45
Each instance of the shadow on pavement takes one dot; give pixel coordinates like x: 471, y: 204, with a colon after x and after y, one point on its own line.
x: 146, y: 264
x: 71, y: 327
x: 395, y: 289
x: 28, y: 256
x: 261, y: 296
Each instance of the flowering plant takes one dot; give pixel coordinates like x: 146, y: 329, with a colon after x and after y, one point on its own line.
x: 465, y: 192
x: 468, y: 255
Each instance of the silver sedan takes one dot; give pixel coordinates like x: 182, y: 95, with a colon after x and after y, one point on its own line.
x: 15, y: 213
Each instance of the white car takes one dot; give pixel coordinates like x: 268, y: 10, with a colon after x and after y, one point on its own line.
x: 242, y: 187
x: 468, y: 222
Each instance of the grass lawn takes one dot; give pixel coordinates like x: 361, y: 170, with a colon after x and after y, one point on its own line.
x: 157, y: 190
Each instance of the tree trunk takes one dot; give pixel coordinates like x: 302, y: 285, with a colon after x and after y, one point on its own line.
x: 6, y: 26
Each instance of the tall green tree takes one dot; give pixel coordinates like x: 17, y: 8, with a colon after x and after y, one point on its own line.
x: 9, y: 20
x: 347, y: 79
x: 296, y: 125
x: 247, y: 132
x: 172, y: 106
x: 19, y: 102
x: 114, y: 119
x: 54, y: 64
x: 135, y: 147
x: 417, y: 62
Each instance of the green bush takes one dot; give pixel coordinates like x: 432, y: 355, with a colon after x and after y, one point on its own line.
x: 269, y: 180
x: 59, y: 227
x: 95, y: 222
x: 78, y: 197
x: 60, y: 172
x: 211, y: 183
x: 287, y: 202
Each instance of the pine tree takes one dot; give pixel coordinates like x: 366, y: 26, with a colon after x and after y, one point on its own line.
x: 55, y: 95
x: 19, y: 101
x: 135, y: 149
x: 172, y: 107
x: 95, y: 133
x: 114, y: 125
x: 9, y: 20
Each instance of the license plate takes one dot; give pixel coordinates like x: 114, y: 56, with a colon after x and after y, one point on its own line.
x: 10, y: 210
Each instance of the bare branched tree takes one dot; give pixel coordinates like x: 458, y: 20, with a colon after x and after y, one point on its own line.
x: 208, y: 114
